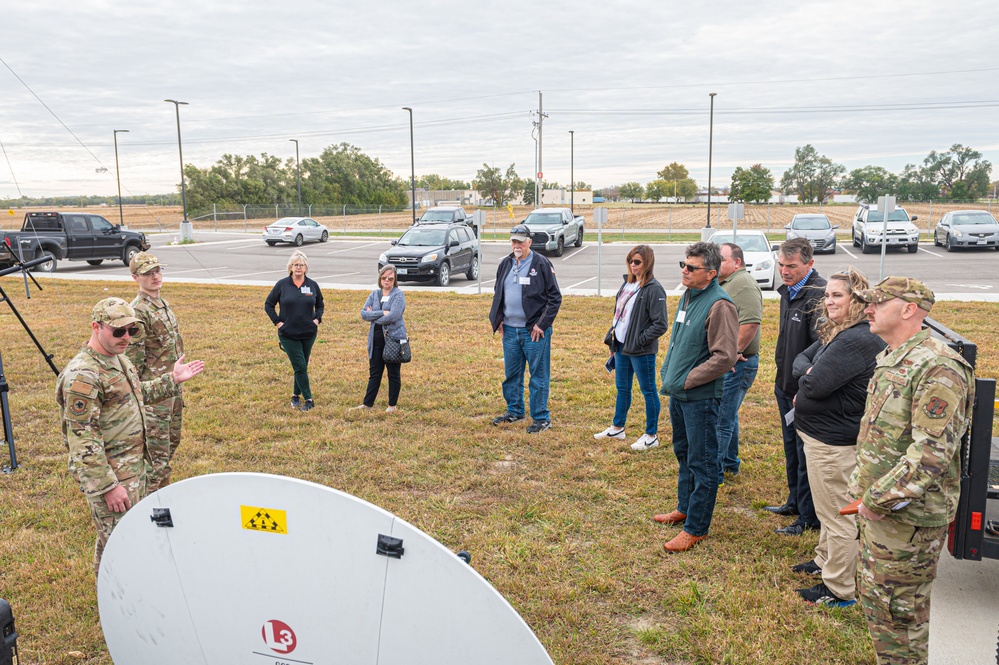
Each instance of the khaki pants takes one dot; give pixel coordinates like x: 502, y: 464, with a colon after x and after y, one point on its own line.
x: 829, y: 469
x: 105, y: 520
x: 163, y: 424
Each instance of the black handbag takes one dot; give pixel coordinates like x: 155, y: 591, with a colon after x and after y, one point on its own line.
x: 396, y: 350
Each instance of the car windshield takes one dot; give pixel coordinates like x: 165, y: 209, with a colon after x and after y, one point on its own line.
x: 422, y: 238
x: 810, y: 223
x: 898, y: 215
x: 286, y: 221
x: 973, y: 219
x: 748, y: 243
x: 437, y: 216
x: 543, y: 219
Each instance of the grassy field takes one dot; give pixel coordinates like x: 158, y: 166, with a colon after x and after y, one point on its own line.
x: 559, y: 523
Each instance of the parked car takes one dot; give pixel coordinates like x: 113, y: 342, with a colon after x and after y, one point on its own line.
x: 816, y: 229
x: 761, y: 259
x: 967, y: 228
x: 434, y: 252
x: 554, y: 228
x: 447, y: 214
x: 868, y: 225
x: 295, y: 230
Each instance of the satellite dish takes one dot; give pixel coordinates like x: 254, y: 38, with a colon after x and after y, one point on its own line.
x: 256, y: 568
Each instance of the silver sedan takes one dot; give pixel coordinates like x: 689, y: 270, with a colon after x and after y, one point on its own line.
x: 967, y: 228
x: 295, y: 230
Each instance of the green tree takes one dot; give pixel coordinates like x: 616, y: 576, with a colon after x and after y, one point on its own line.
x: 342, y: 174
x: 870, y: 182
x: 631, y: 190
x: 812, y: 175
x: 437, y: 182
x: 916, y: 184
x: 492, y: 183
x: 658, y: 189
x: 678, y: 177
x: 960, y: 173
x: 752, y: 185
x: 674, y: 171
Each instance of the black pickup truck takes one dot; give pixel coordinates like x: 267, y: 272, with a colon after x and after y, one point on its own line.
x: 72, y: 236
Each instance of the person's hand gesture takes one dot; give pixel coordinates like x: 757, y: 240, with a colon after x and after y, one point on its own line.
x: 183, y: 371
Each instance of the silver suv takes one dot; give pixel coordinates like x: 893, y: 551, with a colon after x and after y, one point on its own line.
x: 869, y: 224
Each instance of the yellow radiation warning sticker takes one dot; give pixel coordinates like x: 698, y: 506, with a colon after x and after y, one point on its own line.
x: 270, y: 520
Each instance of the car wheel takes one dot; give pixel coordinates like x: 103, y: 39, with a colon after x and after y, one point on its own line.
x: 579, y: 238
x: 913, y: 248
x: 50, y: 265
x: 473, y: 270
x: 948, y: 244
x: 130, y: 251
x: 864, y: 247
x: 443, y: 275
x: 560, y: 247
x: 95, y: 262
x: 299, y: 240
x: 936, y: 240
x: 833, y: 250
x: 855, y: 243
x: 324, y: 237
x: 271, y: 242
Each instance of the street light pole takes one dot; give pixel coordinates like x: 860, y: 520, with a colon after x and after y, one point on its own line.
x: 180, y: 149
x: 711, y: 140
x: 298, y: 165
x: 412, y: 161
x: 572, y: 175
x: 117, y: 173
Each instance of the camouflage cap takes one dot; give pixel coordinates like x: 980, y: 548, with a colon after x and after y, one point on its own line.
x: 906, y: 288
x: 143, y: 262
x: 115, y: 312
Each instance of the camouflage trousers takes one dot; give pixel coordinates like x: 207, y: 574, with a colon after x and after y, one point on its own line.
x: 163, y: 421
x: 105, y: 520
x: 898, y: 563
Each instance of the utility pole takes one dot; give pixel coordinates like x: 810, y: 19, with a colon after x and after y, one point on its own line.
x: 539, y: 175
x: 572, y: 175
x: 117, y: 171
x: 711, y: 141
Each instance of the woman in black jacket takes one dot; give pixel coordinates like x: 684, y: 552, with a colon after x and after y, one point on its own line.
x: 640, y: 319
x: 301, y: 304
x: 832, y: 375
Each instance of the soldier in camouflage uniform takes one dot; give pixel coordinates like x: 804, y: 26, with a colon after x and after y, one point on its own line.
x: 153, y: 354
x: 101, y: 400
x: 908, y: 468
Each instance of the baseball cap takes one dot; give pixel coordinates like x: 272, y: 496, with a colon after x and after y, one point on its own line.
x: 143, y: 262
x: 115, y: 312
x: 906, y: 288
x: 520, y: 232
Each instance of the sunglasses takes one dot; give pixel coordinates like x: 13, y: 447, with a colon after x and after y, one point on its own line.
x: 120, y: 332
x: 689, y: 268
x: 635, y: 262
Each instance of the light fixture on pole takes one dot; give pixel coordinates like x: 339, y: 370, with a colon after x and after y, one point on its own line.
x: 180, y: 149
x: 117, y: 173
x: 711, y: 140
x: 412, y: 161
x: 298, y: 165
x: 572, y: 175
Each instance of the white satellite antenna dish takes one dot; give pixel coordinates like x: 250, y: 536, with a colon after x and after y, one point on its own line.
x: 255, y: 568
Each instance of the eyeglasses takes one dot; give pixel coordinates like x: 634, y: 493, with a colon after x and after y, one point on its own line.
x: 635, y: 262
x: 689, y: 268
x: 154, y: 271
x: 298, y: 265
x: 120, y: 332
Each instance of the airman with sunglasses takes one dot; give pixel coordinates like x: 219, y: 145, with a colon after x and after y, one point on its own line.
x: 101, y: 400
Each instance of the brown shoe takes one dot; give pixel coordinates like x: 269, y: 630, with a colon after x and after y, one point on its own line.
x: 682, y: 542
x: 674, y: 517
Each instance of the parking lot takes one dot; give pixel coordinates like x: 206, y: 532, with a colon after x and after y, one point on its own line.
x: 228, y: 257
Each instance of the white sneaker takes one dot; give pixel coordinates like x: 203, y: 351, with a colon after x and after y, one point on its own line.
x: 646, y: 442
x: 610, y: 433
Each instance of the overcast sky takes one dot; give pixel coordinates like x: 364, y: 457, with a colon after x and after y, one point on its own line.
x: 865, y: 82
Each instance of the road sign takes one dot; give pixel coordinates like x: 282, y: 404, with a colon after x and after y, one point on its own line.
x: 540, y: 175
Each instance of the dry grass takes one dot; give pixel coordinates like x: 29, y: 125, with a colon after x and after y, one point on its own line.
x: 559, y: 523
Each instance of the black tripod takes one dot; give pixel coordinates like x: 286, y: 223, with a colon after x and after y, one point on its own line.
x: 8, y: 431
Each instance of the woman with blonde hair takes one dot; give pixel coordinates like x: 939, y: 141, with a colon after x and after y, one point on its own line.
x: 301, y: 311
x: 833, y: 374
x: 639, y: 321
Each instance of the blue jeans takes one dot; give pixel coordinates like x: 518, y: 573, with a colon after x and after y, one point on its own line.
x: 695, y: 444
x: 799, y: 493
x: 520, y: 350
x: 626, y: 368
x: 738, y: 381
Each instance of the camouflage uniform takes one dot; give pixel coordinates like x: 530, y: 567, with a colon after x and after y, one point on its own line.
x: 908, y: 469
x: 103, y: 423
x: 154, y: 355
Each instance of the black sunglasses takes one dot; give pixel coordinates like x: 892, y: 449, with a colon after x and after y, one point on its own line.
x: 635, y: 262
x: 684, y: 266
x: 120, y: 332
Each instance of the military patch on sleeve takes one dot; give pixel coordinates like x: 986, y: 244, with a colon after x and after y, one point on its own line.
x: 935, y: 407
x: 81, y: 387
x: 78, y: 406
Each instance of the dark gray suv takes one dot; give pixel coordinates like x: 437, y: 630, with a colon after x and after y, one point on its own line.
x: 434, y: 252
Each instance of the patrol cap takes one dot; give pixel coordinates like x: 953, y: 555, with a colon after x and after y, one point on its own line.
x: 906, y: 288
x: 520, y: 232
x: 143, y: 262
x: 115, y: 312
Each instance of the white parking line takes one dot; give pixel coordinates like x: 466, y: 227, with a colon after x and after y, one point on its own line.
x: 250, y: 274
x: 929, y: 252
x: 205, y: 244
x: 343, y: 274
x: 566, y: 258
x: 572, y: 286
x: 852, y: 255
x: 351, y: 249
x: 178, y: 272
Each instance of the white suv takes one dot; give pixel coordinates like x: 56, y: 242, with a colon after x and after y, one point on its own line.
x: 868, y: 225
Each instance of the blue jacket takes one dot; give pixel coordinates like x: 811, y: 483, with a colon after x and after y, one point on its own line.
x: 392, y: 323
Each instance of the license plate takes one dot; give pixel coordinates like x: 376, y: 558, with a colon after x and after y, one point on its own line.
x: 402, y: 271
x: 983, y: 242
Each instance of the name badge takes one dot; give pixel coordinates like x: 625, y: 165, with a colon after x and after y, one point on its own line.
x: 306, y: 291
x: 681, y: 316
x: 524, y: 281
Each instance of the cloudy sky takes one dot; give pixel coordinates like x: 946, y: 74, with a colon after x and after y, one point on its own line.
x: 865, y: 82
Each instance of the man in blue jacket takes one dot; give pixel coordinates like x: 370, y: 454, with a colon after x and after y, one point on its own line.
x: 703, y: 347
x: 526, y: 299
